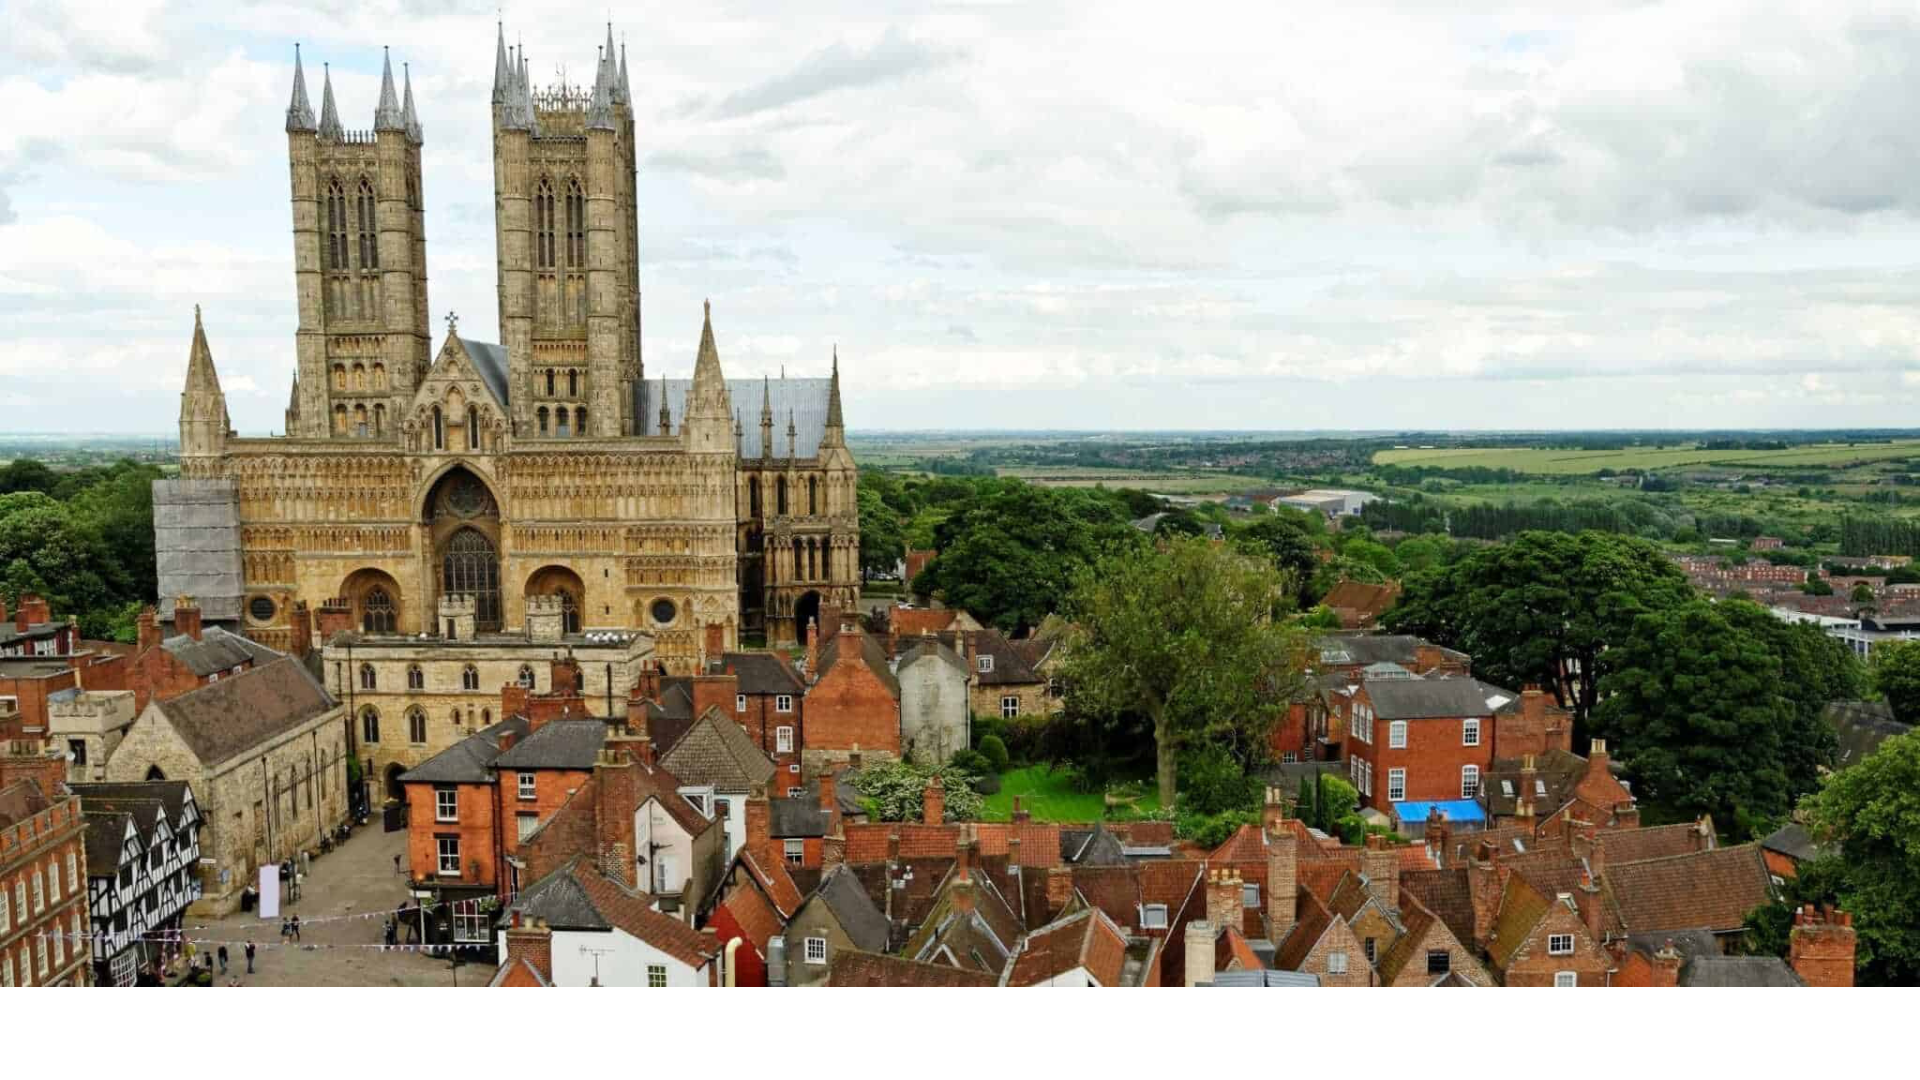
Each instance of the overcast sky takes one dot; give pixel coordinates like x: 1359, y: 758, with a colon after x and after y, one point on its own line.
x: 1092, y: 215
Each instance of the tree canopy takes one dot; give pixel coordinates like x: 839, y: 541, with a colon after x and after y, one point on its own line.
x: 1543, y: 608
x: 1188, y: 638
x: 1867, y: 819
x: 1896, y: 675
x: 82, y: 539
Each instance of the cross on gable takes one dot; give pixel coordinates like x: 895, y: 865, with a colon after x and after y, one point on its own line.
x: 453, y: 322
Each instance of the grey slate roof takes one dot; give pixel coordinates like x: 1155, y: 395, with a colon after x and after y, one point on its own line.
x: 1009, y: 666
x: 929, y: 647
x: 217, y: 650
x: 469, y: 761
x: 106, y: 831
x: 804, y: 399
x: 1861, y: 727
x: 239, y: 713
x: 111, y: 807
x: 796, y: 818
x: 490, y: 361
x: 563, y: 902
x: 864, y: 923
x: 762, y: 673
x: 1363, y: 649
x: 1268, y: 977
x: 1738, y: 971
x: 717, y: 751
x: 1418, y: 699
x: 558, y: 744
x: 1793, y: 841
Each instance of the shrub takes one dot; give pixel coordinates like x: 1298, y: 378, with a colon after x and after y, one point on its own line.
x: 892, y: 790
x: 1212, y: 782
x: 1212, y: 830
x: 995, y: 751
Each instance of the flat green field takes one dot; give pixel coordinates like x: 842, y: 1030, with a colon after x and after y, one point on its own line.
x: 1166, y: 482
x: 1555, y: 462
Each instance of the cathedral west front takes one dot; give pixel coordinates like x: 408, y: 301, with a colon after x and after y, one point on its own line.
x: 478, y: 476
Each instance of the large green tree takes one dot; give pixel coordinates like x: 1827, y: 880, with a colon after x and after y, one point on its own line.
x: 1815, y: 670
x: 1896, y: 675
x: 1692, y: 704
x: 883, y: 538
x: 1189, y: 636
x: 1010, y: 553
x: 1285, y: 539
x: 1868, y: 819
x: 1542, y: 609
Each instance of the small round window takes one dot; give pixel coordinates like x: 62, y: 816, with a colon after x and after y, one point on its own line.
x: 261, y: 608
x: 663, y: 611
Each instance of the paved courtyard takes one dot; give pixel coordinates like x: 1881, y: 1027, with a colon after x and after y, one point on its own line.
x: 354, y: 879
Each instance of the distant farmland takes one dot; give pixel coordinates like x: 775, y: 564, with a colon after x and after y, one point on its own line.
x: 1563, y: 462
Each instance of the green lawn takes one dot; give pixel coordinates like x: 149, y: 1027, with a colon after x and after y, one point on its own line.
x: 1051, y: 796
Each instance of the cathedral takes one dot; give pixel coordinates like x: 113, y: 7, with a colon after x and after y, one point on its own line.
x: 485, y: 475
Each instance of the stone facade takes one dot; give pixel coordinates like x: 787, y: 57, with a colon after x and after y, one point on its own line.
x: 459, y: 686
x: 262, y: 803
x: 934, y: 723
x: 547, y: 466
x: 89, y: 725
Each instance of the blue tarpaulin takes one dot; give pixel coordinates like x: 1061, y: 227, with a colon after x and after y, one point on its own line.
x: 1455, y: 810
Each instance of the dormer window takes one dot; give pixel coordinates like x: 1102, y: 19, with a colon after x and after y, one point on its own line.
x: 986, y: 663
x: 1153, y: 916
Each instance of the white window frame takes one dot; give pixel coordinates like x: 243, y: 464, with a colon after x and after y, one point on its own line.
x: 1337, y: 962
x: 441, y: 855
x: 446, y: 804
x: 1555, y: 948
x: 525, y: 825
x: 985, y: 663
x: 795, y: 852
x: 1566, y: 979
x: 1470, y: 731
x: 1396, y: 785
x: 783, y: 703
x: 1397, y: 735
x: 1469, y: 781
x: 739, y: 703
x: 6, y: 912
x: 1009, y: 706
x: 470, y: 923
x: 524, y: 789
x: 6, y: 970
x: 39, y: 892
x: 1249, y: 894
x: 73, y: 873
x: 1153, y: 916
x: 783, y: 740
x: 814, y: 949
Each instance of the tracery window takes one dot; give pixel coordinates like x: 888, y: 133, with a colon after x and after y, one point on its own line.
x: 336, y: 226
x: 543, y: 225
x: 377, y: 612
x: 576, y: 225
x: 369, y: 232
x: 471, y: 567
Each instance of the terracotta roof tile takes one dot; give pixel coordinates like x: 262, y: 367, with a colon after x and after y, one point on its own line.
x: 759, y: 922
x: 779, y: 885
x: 853, y: 968
x: 1445, y: 893
x: 1713, y: 889
x: 1521, y: 908
x: 1311, y: 924
x: 1653, y: 842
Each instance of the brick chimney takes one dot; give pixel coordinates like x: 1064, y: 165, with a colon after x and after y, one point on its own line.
x: 759, y: 825
x: 963, y: 875
x: 1592, y: 905
x: 933, y: 802
x: 335, y: 616
x: 148, y: 635
x: 300, y: 627
x: 1666, y: 965
x: 616, y: 799
x: 1223, y: 897
x: 1381, y: 865
x: 513, y: 700
x: 1198, y: 961
x: 566, y: 677
x: 1523, y: 799
x: 34, y: 609
x: 3, y: 609
x: 1273, y: 815
x: 531, y: 940
x: 813, y: 649
x: 1702, y: 835
x: 186, y: 617
x: 1485, y: 882
x: 830, y: 801
x: 507, y: 739
x: 1013, y: 846
x: 1439, y: 837
x: 1821, y: 947
x: 1283, y: 890
x: 1059, y: 888
x: 1020, y: 814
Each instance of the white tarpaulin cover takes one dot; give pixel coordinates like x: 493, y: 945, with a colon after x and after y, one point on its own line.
x: 270, y: 892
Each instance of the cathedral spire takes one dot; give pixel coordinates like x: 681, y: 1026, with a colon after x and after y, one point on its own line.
x: 407, y: 116
x: 528, y: 119
x: 666, y: 416
x: 766, y: 417
x: 502, y: 73
x: 299, y: 113
x: 835, y: 433
x: 626, y: 89
x: 201, y: 378
x: 203, y: 408
x: 793, y: 436
x: 329, y: 116
x: 386, y: 115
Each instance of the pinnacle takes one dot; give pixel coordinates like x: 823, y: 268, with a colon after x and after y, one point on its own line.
x: 502, y: 72
x: 329, y: 116
x: 386, y: 116
x: 299, y: 112
x: 408, y: 116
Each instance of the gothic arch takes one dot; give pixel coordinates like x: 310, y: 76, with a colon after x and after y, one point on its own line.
x: 561, y: 581
x: 462, y: 516
x: 374, y: 597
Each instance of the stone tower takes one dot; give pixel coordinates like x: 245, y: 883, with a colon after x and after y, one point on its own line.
x: 565, y: 229
x: 204, y: 427
x: 360, y: 263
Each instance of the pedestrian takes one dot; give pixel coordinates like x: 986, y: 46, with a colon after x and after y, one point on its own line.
x: 392, y: 934
x: 286, y: 931
x: 249, y: 956
x: 296, y: 928
x: 223, y: 959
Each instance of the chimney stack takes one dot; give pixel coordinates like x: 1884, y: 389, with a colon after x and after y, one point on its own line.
x: 1439, y: 837
x: 1199, y: 953
x: 963, y: 875
x: 759, y: 823
x: 1020, y: 814
x: 1381, y: 865
x: 300, y: 626
x: 1523, y: 802
x: 813, y: 649
x: 1666, y: 965
x: 1283, y: 872
x: 1223, y: 898
x: 1273, y: 815
x: 933, y: 802
x: 186, y: 617
x: 1821, y: 946
x: 148, y: 635
x: 616, y: 799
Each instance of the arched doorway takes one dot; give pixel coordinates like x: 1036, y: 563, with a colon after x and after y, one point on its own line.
x: 375, y: 599
x: 805, y: 611
x: 564, y: 583
x: 463, y: 519
x: 396, y: 790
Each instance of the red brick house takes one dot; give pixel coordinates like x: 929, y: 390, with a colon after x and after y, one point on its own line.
x: 1421, y: 740
x: 770, y: 702
x: 853, y: 705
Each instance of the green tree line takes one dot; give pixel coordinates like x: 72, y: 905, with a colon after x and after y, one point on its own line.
x: 83, y: 539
